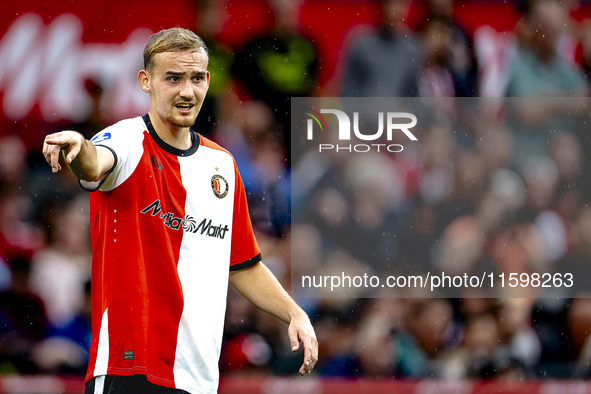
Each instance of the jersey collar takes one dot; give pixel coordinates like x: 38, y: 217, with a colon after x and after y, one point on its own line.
x: 168, y: 148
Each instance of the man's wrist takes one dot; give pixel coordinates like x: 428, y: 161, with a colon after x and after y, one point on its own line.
x: 298, y: 314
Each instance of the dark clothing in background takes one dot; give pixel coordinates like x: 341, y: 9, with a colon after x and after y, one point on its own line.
x: 275, y: 68
x: 219, y: 66
x: 382, y: 65
x: 23, y: 314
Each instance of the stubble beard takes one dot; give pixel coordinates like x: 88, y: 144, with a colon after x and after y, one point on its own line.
x: 181, y: 121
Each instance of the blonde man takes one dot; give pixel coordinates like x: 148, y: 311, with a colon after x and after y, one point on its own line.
x: 169, y: 225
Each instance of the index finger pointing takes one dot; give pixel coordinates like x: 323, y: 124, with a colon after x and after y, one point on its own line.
x: 56, y: 139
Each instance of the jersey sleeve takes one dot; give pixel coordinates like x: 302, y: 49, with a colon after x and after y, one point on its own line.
x: 245, y: 251
x: 119, y: 139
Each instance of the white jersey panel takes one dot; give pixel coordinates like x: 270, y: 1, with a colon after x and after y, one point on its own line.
x: 102, y: 356
x: 203, y: 267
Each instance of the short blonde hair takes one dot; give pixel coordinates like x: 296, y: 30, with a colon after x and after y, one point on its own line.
x: 172, y: 40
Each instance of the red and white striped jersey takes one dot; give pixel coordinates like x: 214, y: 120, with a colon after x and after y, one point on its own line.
x: 167, y: 225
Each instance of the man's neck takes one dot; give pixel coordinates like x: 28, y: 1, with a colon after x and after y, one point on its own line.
x: 177, y: 137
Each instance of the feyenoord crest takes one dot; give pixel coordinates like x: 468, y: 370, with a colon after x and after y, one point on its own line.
x: 219, y: 185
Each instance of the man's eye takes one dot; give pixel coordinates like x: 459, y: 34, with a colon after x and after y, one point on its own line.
x: 198, y: 78
x: 174, y: 79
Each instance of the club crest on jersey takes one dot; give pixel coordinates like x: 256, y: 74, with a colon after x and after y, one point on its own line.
x: 219, y: 185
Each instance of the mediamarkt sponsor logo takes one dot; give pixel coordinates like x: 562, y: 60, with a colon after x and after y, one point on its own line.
x: 188, y: 223
x: 392, y: 124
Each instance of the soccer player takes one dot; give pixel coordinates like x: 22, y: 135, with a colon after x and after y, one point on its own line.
x: 169, y: 225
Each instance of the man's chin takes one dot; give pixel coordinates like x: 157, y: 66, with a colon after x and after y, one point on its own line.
x: 187, y: 121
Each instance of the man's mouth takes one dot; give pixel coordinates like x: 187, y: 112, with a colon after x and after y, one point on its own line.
x: 184, y: 107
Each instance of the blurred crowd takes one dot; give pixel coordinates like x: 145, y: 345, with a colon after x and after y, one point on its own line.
x: 488, y: 195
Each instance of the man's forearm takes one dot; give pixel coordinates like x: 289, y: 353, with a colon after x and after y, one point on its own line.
x: 258, y: 285
x: 85, y: 165
x: 261, y: 288
x: 86, y: 161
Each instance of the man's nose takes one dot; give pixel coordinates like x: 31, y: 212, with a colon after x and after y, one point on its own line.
x: 187, y: 90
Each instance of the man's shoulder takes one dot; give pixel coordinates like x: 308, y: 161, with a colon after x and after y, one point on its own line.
x: 212, y: 145
x: 123, y: 128
x: 136, y: 124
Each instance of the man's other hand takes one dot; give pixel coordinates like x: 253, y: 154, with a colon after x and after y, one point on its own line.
x: 301, y: 329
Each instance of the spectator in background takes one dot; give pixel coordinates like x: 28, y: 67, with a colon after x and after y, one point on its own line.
x: 374, y: 343
x: 449, y: 68
x: 459, y: 54
x: 249, y: 130
x: 418, y: 347
x: 481, y: 343
x: 13, y: 155
x: 338, y: 322
x: 578, y: 259
x: 385, y: 63
x: 518, y: 339
x: 539, y: 70
x: 95, y: 121
x: 567, y: 153
x: 212, y: 15
x: 60, y: 270
x: 579, y: 328
x: 65, y: 350
x: 435, y: 78
x: 22, y: 321
x: 18, y: 238
x: 586, y: 48
x: 280, y: 65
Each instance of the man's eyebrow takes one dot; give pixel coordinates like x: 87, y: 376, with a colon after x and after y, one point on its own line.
x: 179, y: 73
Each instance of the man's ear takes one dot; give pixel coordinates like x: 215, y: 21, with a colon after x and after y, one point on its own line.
x: 207, y: 77
x: 144, y: 80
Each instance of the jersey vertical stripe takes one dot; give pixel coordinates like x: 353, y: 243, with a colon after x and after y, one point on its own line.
x: 102, y: 357
x: 203, y: 269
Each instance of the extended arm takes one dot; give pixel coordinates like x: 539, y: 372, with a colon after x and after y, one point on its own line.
x: 258, y: 285
x: 86, y: 161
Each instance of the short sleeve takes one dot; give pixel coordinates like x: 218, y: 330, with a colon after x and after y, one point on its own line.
x: 245, y: 251
x: 119, y: 139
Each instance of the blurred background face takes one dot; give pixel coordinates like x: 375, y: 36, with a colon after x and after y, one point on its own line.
x: 481, y: 334
x: 433, y: 320
x: 437, y: 42
x: 12, y: 158
x: 212, y: 16
x: 395, y: 14
x: 442, y: 7
x: 286, y: 14
x: 70, y: 229
x: 548, y: 22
